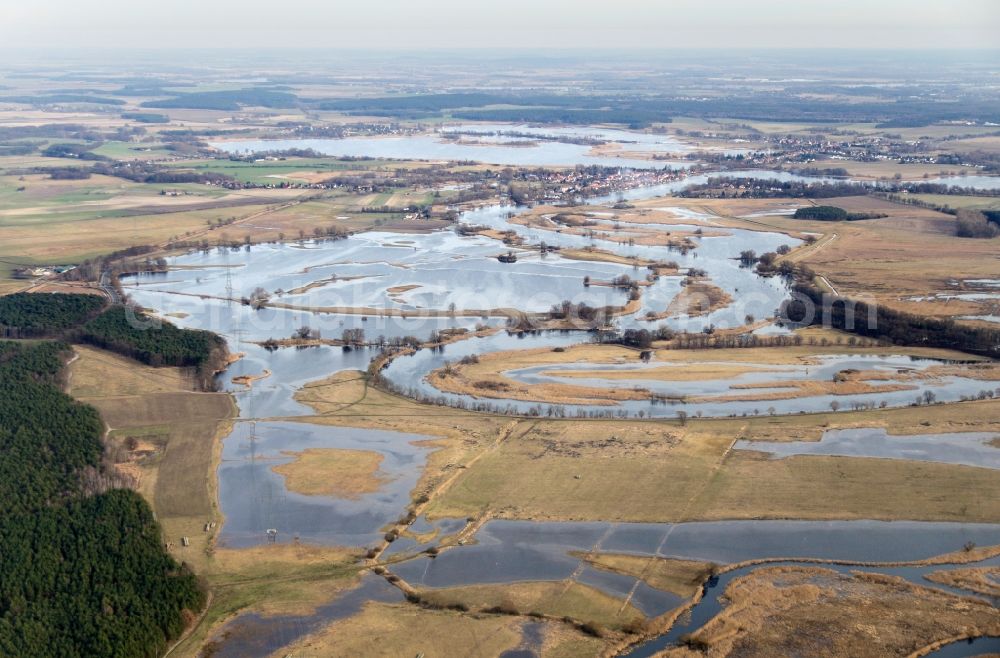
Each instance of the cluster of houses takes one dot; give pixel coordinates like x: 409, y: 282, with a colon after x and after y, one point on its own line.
x: 584, y: 182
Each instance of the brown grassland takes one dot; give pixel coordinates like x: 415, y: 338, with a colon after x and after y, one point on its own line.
x: 333, y: 472
x: 346, y: 398
x: 815, y: 611
x: 567, y: 469
x: 911, y: 253
x: 981, y: 580
x: 886, y: 169
x: 551, y: 598
x: 52, y: 222
x: 697, y: 298
x: 681, y: 577
x: 720, y: 212
x: 403, y: 630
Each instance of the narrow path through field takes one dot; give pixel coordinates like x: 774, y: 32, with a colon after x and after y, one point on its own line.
x: 683, y: 516
x: 829, y: 285
x: 815, y: 248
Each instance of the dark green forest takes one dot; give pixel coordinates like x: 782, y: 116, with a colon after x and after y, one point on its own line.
x: 833, y: 214
x: 824, y: 213
x: 127, y: 331
x: 155, y: 342
x: 27, y: 315
x: 146, y: 117
x: 44, y: 433
x: 84, y: 571
x: 765, y: 106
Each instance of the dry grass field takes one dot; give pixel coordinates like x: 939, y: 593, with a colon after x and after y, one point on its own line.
x: 458, y: 437
x: 681, y: 577
x: 55, y: 222
x: 554, y: 599
x: 980, y: 580
x: 988, y: 143
x: 750, y: 486
x: 402, y: 630
x: 889, y: 169
x: 572, y: 470
x: 814, y: 611
x: 696, y: 299
x: 333, y: 472
x: 958, y: 201
x: 177, y: 431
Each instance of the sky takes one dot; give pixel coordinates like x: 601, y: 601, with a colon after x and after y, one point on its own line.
x: 514, y: 24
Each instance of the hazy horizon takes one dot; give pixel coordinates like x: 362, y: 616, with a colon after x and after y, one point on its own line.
x: 398, y: 25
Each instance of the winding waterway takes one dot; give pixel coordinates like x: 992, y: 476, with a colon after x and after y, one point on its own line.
x: 406, y: 285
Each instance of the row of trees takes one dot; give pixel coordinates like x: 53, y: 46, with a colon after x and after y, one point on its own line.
x: 811, y: 305
x: 975, y: 224
x: 834, y: 214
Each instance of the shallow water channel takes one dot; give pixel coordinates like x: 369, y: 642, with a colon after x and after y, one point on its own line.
x: 254, y: 498
x: 708, y: 397
x: 966, y: 448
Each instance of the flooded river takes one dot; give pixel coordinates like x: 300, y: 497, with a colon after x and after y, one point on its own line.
x: 400, y: 285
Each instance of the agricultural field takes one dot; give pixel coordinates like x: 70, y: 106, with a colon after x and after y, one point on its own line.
x: 46, y: 222
x: 877, y: 170
x: 297, y: 170
x: 957, y: 201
